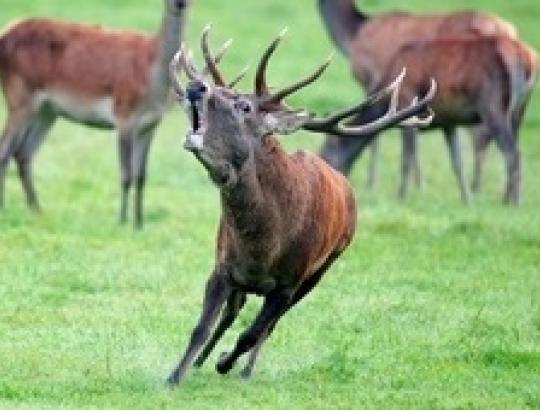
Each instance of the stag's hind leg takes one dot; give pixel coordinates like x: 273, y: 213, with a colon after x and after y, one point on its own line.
x: 275, y: 304
x: 302, y: 291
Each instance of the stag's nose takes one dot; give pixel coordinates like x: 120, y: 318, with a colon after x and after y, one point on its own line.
x: 195, y: 91
x: 181, y: 3
x: 194, y: 142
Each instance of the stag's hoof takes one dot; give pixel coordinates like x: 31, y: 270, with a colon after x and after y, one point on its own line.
x: 173, y: 379
x: 224, y: 365
x: 246, y: 373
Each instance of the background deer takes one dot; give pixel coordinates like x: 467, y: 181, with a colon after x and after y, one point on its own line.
x: 94, y: 76
x: 285, y: 218
x: 370, y: 42
x: 493, y: 92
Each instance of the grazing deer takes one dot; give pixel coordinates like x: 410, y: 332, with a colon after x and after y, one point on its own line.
x: 93, y: 76
x: 492, y: 92
x: 285, y: 218
x: 370, y: 42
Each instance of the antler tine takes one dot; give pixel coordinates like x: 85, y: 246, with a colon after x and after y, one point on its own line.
x: 280, y: 95
x: 210, y: 61
x: 415, y: 121
x: 240, y: 75
x: 189, y: 66
x: 222, y: 50
x: 405, y: 117
x: 173, y: 76
x: 261, y: 88
x: 333, y: 119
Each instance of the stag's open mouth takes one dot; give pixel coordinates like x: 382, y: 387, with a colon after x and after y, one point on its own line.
x: 195, y: 116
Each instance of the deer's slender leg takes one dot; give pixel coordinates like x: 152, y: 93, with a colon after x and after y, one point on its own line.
x: 481, y: 139
x: 302, y: 291
x: 217, y: 291
x: 508, y: 145
x: 235, y: 302
x: 416, y: 169
x: 7, y: 147
x: 452, y: 140
x: 25, y: 152
x: 506, y: 140
x: 373, y: 166
x: 125, y: 148
x: 275, y: 304
x: 139, y: 158
x: 15, y: 130
x: 407, y: 157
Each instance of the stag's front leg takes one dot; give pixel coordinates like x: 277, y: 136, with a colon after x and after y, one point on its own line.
x: 273, y: 307
x: 217, y: 291
x: 235, y: 302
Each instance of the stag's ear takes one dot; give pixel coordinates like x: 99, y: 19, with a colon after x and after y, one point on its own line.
x: 284, y: 121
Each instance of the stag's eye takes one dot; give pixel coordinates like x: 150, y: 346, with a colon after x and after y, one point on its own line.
x: 244, y: 106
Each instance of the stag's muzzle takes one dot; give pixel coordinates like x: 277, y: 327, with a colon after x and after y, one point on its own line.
x: 194, y: 142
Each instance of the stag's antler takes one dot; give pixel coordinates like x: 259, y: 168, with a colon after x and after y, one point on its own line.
x: 332, y: 124
x: 185, y: 59
x: 407, y: 116
x: 261, y: 88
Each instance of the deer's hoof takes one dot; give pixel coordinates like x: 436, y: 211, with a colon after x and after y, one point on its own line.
x: 224, y: 365
x: 173, y: 379
x: 245, y: 373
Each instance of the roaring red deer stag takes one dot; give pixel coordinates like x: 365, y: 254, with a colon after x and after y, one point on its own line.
x: 371, y: 41
x: 93, y: 76
x: 493, y: 92
x: 285, y: 218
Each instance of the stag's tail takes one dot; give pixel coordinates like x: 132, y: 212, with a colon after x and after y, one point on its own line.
x: 522, y: 70
x: 342, y: 20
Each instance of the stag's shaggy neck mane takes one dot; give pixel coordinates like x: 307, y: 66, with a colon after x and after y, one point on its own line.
x: 263, y: 181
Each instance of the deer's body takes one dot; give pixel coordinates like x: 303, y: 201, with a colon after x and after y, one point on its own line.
x: 371, y: 42
x: 284, y: 218
x: 93, y: 76
x: 493, y: 92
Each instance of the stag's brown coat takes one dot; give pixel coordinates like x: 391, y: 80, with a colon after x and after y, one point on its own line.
x: 284, y: 218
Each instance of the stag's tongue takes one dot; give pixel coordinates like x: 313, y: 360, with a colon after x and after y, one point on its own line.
x: 195, y: 120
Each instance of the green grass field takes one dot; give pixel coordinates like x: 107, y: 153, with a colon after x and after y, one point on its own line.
x: 435, y: 305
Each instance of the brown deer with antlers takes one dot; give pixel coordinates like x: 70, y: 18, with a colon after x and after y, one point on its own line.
x: 93, y: 76
x: 370, y: 42
x: 285, y: 218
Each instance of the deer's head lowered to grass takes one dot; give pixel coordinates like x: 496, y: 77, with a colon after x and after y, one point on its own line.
x: 285, y: 218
